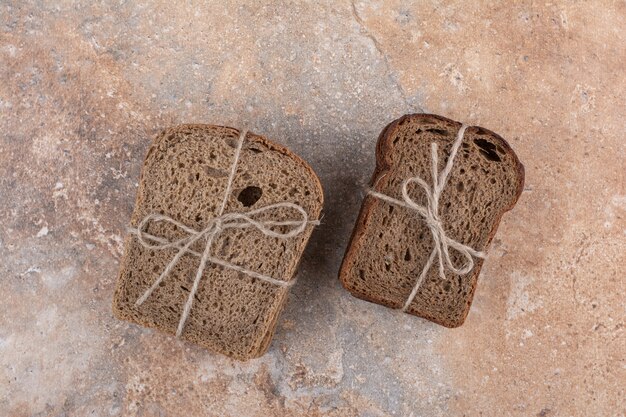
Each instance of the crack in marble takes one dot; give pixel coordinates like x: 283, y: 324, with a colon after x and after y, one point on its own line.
x: 390, y: 73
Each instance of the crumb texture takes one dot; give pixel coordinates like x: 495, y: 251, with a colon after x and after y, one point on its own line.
x: 184, y: 177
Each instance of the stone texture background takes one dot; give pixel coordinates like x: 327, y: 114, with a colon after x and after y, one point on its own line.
x: 85, y: 85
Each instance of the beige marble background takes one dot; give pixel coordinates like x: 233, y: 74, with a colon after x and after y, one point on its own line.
x: 84, y: 87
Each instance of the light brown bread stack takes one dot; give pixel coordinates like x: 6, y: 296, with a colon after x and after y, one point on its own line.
x: 184, y: 177
x: 391, y: 244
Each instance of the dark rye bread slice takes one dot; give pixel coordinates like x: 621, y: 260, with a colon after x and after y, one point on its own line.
x: 391, y: 244
x: 184, y: 176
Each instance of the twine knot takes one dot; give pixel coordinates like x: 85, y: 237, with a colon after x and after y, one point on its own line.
x: 213, y: 228
x: 217, y: 225
x: 430, y: 213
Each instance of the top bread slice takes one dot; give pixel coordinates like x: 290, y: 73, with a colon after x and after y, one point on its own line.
x: 184, y: 177
x: 391, y: 244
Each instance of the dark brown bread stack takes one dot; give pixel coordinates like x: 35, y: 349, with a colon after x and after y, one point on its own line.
x: 391, y: 244
x: 184, y: 177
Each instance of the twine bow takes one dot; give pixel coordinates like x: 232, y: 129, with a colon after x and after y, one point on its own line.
x: 430, y: 213
x: 214, y: 228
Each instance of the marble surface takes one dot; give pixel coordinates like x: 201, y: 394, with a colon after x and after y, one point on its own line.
x: 84, y: 86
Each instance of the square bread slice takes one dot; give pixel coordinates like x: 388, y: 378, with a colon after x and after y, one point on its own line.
x: 184, y: 176
x: 391, y: 244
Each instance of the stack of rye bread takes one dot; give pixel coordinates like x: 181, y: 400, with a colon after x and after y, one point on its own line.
x: 246, y: 194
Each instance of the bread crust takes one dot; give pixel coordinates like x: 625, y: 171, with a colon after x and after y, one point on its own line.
x: 383, y: 165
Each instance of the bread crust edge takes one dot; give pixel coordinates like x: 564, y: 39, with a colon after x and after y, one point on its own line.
x: 263, y: 344
x: 383, y: 164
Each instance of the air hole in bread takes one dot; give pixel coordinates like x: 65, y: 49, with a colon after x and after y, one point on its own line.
x: 249, y: 195
x: 232, y: 142
x: 460, y: 186
x: 407, y: 255
x: 488, y: 150
x: 437, y: 131
x: 255, y: 148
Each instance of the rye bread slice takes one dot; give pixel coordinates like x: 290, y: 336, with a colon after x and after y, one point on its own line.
x: 391, y: 244
x: 184, y: 177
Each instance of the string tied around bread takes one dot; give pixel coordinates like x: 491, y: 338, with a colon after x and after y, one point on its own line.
x: 430, y: 214
x: 214, y: 227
